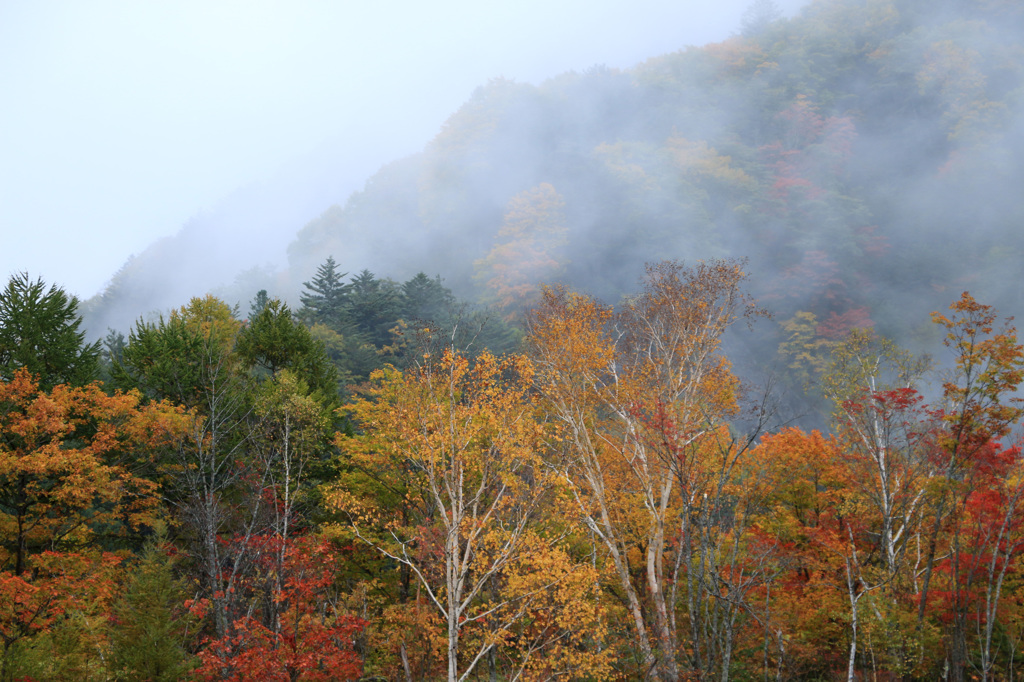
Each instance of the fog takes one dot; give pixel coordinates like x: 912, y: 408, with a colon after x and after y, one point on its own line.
x: 865, y: 157
x: 238, y: 122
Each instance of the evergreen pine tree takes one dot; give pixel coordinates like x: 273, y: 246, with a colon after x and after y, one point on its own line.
x: 426, y: 299
x: 759, y: 16
x: 325, y: 300
x: 39, y: 330
x: 374, y: 307
x: 258, y: 303
x: 150, y: 629
x: 273, y: 340
x: 111, y: 354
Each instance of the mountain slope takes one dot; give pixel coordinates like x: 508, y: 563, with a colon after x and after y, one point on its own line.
x: 865, y: 156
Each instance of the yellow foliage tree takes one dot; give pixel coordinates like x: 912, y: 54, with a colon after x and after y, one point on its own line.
x: 643, y: 396
x: 465, y: 438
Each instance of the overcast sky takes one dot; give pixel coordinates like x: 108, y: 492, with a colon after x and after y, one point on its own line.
x: 121, y: 120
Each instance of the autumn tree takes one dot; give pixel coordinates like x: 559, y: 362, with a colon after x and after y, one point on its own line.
x: 313, y: 638
x: 65, y: 465
x: 260, y: 396
x: 291, y: 432
x: 68, y: 484
x: 189, y: 358
x: 990, y: 549
x: 886, y: 466
x: 880, y: 415
x: 805, y: 351
x: 979, y: 407
x: 643, y: 397
x: 54, y: 618
x: 527, y: 248
x: 804, y: 637
x: 466, y: 438
x: 561, y: 627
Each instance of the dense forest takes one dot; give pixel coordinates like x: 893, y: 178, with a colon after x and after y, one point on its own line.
x: 713, y: 375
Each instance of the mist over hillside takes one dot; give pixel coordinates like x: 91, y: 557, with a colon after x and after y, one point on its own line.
x: 844, y: 152
x: 865, y: 157
x: 234, y: 247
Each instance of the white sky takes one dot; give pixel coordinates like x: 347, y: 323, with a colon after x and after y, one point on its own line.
x: 119, y: 120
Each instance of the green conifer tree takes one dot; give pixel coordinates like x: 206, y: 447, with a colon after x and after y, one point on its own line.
x: 325, y: 299
x: 39, y: 330
x: 273, y: 340
x: 151, y: 628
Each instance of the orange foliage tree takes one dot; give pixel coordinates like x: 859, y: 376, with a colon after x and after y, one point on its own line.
x: 52, y: 619
x: 527, y: 250
x: 916, y: 508
x: 65, y: 465
x: 799, y: 482
x: 67, y: 483
x: 979, y: 407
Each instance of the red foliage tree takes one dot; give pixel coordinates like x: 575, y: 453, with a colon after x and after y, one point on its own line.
x: 308, y: 638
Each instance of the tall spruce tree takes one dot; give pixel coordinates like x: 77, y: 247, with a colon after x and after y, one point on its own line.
x: 758, y: 16
x: 374, y: 306
x: 258, y: 303
x: 427, y: 299
x: 150, y: 638
x: 39, y: 330
x: 325, y: 300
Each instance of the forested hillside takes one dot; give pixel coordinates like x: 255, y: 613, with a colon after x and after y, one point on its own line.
x: 864, y: 156
x: 527, y: 406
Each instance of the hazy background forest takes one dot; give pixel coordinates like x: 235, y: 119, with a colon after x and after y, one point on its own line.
x: 862, y: 155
